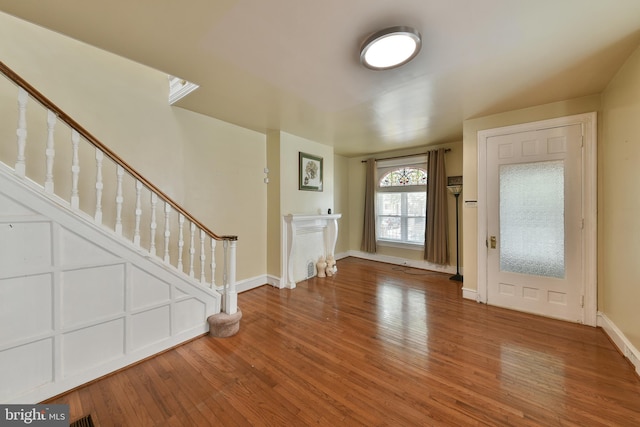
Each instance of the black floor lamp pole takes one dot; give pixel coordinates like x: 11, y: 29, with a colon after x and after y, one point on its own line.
x: 457, y: 277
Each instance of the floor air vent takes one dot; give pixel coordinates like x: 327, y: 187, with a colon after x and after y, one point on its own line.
x: 83, y: 422
x: 311, y: 269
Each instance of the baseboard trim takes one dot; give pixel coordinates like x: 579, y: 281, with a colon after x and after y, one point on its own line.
x: 620, y: 340
x: 424, y: 265
x: 255, y: 282
x: 470, y: 294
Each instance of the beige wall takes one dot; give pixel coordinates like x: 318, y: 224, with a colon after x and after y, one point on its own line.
x: 212, y: 168
x: 341, y: 201
x: 274, y: 216
x: 470, y: 164
x: 293, y: 200
x: 618, y: 207
x: 284, y: 197
x: 453, y: 164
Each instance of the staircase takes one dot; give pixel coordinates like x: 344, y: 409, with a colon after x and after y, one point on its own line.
x: 98, y: 267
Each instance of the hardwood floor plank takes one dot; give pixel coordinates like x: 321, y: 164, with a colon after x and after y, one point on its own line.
x: 376, y: 345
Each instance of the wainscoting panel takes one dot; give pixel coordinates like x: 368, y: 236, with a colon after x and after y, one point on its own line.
x: 26, y: 367
x: 187, y: 313
x: 28, y: 291
x: 78, y: 301
x: 89, y: 347
x: 92, y: 293
x: 75, y: 248
x: 150, y: 326
x: 26, y: 244
x: 147, y: 290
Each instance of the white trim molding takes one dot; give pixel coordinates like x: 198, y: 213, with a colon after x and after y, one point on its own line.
x: 255, y: 282
x: 620, y: 340
x: 424, y: 265
x: 179, y: 88
x: 471, y: 294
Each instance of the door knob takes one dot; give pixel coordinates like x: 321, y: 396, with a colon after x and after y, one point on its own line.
x: 492, y: 240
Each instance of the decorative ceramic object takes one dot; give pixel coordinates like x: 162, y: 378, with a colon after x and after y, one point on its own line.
x: 329, y: 271
x: 331, y: 265
x: 321, y: 266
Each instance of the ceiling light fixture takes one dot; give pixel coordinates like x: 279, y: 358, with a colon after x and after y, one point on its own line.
x: 390, y: 48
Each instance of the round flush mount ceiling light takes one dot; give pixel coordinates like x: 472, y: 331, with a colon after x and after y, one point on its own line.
x: 390, y: 48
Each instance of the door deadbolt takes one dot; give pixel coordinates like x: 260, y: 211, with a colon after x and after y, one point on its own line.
x: 492, y: 241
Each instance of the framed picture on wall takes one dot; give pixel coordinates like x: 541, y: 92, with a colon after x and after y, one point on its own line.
x: 310, y: 172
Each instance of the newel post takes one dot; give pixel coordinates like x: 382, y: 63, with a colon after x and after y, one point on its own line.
x: 227, y: 322
x: 231, y: 296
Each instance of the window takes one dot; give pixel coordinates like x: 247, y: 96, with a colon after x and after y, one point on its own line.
x: 401, y: 203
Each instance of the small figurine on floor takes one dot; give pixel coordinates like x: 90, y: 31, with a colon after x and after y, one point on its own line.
x: 322, y: 267
x: 331, y: 266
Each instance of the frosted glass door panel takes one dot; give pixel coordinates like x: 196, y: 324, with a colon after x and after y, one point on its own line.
x: 532, y: 218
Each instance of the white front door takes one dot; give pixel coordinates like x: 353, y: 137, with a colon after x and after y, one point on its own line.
x: 534, y: 222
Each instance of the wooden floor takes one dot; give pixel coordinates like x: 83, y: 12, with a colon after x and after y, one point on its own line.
x: 375, y: 345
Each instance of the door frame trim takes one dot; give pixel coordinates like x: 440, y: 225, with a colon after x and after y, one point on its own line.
x: 588, y: 121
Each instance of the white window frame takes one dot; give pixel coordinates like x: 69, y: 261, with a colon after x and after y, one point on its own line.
x: 384, y: 167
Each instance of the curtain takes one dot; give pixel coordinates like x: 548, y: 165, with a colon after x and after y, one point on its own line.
x: 436, y: 242
x: 369, y: 229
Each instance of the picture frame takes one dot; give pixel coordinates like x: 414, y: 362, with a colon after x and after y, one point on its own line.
x: 310, y: 172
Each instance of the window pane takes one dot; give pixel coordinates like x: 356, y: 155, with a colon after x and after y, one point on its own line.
x: 532, y: 218
x: 404, y: 176
x: 415, y: 230
x: 389, y: 227
x: 390, y: 203
x: 416, y: 204
x: 401, y: 216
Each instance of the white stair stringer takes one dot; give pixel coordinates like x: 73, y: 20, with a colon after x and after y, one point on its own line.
x: 77, y: 301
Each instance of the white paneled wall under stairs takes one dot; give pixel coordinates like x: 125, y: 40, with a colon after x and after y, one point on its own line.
x: 76, y: 302
x: 91, y: 284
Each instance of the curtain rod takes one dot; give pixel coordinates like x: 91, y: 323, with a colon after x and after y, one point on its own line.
x: 446, y: 150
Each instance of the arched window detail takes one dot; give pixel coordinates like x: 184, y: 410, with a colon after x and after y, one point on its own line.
x: 404, y: 176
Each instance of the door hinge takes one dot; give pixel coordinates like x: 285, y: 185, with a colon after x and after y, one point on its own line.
x: 582, y: 301
x: 582, y: 224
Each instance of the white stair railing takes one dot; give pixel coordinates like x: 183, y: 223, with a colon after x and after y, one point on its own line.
x: 121, y: 220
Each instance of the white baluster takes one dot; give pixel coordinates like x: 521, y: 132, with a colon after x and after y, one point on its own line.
x: 180, y: 241
x: 75, y: 170
x: 21, y: 132
x: 203, y: 257
x: 154, y: 224
x: 119, y: 199
x: 231, y: 296
x: 167, y: 232
x: 50, y: 152
x: 213, y: 263
x: 136, y: 232
x: 99, y: 185
x: 192, y: 250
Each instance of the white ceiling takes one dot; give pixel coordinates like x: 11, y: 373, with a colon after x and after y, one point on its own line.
x: 294, y: 65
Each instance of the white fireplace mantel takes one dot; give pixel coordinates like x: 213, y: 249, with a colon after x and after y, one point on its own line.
x: 296, y: 225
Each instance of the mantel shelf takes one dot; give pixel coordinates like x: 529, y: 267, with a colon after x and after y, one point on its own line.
x: 311, y: 217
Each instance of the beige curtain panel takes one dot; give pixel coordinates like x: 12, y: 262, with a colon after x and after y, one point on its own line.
x: 436, y: 243
x: 369, y: 229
